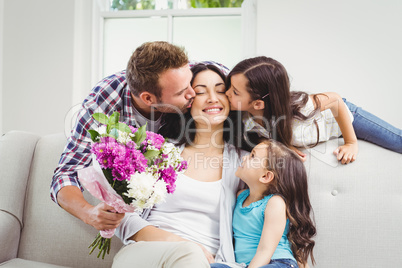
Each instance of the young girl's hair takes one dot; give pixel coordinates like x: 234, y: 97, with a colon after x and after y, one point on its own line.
x: 290, y: 181
x: 269, y: 81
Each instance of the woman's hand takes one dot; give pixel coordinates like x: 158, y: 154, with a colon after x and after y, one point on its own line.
x: 208, y: 255
x: 347, y: 153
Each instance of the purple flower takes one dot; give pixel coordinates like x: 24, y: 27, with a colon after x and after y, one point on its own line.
x: 155, y: 139
x: 183, y: 165
x: 133, y: 129
x: 123, y: 161
x: 169, y: 176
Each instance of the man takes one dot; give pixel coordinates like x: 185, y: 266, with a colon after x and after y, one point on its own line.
x: 157, y: 80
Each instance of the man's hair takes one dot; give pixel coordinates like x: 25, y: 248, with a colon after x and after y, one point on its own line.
x: 148, y: 62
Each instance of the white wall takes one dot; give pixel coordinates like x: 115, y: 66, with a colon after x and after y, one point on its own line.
x: 38, y: 54
x: 348, y: 46
x: 1, y: 64
x: 352, y: 47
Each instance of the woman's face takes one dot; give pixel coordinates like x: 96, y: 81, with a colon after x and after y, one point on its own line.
x: 210, y: 105
x: 240, y: 99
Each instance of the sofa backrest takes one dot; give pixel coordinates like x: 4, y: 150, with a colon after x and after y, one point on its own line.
x: 49, y: 233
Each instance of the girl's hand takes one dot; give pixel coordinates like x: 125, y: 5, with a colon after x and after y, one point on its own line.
x: 346, y: 153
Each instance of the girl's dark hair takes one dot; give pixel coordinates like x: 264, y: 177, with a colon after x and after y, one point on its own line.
x: 269, y: 81
x: 290, y: 181
x: 181, y: 127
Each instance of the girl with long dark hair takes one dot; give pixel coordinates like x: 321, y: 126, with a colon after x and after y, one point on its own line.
x: 260, y: 86
x: 272, y: 222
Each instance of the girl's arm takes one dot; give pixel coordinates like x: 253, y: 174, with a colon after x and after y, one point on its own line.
x: 346, y: 153
x: 274, y: 225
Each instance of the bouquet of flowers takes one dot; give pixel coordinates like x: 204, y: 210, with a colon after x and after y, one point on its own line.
x: 133, y: 169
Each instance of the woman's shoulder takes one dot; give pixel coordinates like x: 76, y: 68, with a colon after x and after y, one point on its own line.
x: 235, y: 152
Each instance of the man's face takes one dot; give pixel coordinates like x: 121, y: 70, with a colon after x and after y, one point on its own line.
x: 177, y: 93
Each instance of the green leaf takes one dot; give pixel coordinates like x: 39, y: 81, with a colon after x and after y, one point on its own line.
x: 140, y: 135
x: 114, y: 133
x: 94, y: 134
x: 123, y: 127
x: 151, y: 154
x: 114, y: 118
x: 101, y: 118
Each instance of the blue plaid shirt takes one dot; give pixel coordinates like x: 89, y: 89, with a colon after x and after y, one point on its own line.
x: 109, y: 95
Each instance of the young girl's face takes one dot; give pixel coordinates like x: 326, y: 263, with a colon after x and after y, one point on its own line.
x: 240, y: 99
x: 253, y: 165
x: 210, y: 106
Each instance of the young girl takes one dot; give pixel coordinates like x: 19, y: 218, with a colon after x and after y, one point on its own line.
x: 271, y: 221
x: 260, y: 86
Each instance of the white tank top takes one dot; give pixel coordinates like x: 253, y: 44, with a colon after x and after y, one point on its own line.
x: 191, y: 212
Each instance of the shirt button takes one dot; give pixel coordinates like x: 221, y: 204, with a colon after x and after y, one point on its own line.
x: 334, y: 192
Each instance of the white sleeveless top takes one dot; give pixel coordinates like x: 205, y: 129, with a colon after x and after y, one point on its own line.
x: 191, y: 212
x: 305, y: 132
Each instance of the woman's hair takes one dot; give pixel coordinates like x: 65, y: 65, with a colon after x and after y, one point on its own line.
x: 181, y: 127
x: 268, y: 81
x: 148, y: 62
x: 290, y: 182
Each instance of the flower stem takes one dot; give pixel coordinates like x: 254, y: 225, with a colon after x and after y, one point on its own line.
x: 102, y: 243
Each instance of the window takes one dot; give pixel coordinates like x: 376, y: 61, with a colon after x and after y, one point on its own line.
x: 171, y: 4
x: 205, y: 33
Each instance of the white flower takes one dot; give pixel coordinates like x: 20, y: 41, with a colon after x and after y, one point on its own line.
x: 102, y: 129
x: 146, y: 190
x: 167, y: 147
x: 123, y: 137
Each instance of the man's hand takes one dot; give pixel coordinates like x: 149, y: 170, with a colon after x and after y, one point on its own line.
x: 101, y: 217
x: 72, y: 200
x: 346, y: 153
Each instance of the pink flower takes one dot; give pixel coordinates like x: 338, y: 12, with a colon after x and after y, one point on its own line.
x: 169, y: 176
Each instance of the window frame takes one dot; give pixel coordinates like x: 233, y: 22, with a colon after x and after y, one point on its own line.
x: 101, y: 13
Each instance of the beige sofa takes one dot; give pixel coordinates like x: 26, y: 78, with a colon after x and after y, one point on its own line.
x: 358, y: 208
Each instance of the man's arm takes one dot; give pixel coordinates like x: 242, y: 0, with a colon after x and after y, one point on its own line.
x: 66, y: 189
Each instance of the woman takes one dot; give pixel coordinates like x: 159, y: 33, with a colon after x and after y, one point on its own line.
x: 194, y: 226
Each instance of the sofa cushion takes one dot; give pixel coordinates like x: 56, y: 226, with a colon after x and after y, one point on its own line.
x: 20, y: 263
x: 50, y: 234
x: 357, y: 207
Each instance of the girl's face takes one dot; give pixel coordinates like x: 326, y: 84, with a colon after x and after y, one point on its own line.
x: 210, y: 106
x: 253, y: 165
x: 240, y: 99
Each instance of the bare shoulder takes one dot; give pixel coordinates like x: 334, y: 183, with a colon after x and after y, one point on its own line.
x: 276, y: 204
x: 326, y: 99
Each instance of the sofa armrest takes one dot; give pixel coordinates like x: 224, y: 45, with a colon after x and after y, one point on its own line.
x: 16, y: 153
x: 10, y: 232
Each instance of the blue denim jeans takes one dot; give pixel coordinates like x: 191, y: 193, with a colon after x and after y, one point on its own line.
x: 219, y: 265
x: 279, y: 263
x: 370, y: 128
